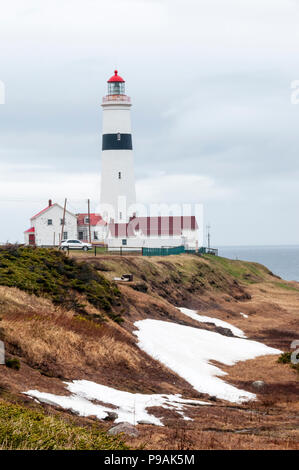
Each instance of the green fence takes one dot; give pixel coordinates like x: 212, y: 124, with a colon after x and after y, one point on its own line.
x: 164, y: 251
x: 176, y: 250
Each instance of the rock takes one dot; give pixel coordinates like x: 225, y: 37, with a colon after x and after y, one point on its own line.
x: 258, y: 384
x: 111, y: 416
x: 224, y: 331
x: 213, y: 398
x: 144, y: 421
x: 126, y: 428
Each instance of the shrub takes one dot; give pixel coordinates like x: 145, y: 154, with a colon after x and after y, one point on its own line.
x: 13, y: 363
x: 140, y: 287
x: 50, y: 273
x: 285, y: 358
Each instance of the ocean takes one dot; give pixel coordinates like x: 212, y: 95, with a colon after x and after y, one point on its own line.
x: 281, y: 260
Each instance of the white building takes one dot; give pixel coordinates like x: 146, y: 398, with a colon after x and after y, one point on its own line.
x: 46, y: 226
x: 117, y: 173
x: 154, y: 232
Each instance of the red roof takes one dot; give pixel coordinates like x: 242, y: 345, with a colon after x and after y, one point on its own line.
x: 44, y: 210
x: 30, y: 230
x: 115, y: 78
x: 154, y: 226
x: 95, y: 219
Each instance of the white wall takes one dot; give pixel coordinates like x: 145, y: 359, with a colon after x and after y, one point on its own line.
x: 115, y: 191
x: 44, y: 233
x: 151, y: 242
x: 117, y: 119
x: 100, y: 229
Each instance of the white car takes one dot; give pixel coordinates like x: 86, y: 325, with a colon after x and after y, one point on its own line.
x: 75, y: 245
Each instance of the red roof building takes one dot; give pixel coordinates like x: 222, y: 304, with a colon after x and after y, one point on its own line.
x: 97, y: 227
x: 160, y: 226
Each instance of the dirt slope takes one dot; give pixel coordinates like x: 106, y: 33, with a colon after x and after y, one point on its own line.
x: 56, y: 341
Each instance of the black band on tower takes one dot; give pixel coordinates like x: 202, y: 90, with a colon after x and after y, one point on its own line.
x: 117, y: 142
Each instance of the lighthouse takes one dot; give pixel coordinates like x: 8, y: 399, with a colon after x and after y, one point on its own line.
x: 118, y: 193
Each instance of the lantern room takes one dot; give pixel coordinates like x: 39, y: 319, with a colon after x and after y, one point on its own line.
x: 116, y: 85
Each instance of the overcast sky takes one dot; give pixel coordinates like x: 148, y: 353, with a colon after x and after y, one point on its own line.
x: 212, y: 118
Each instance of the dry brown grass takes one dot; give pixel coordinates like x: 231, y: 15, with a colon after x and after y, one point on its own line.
x: 60, y: 344
x: 51, y: 341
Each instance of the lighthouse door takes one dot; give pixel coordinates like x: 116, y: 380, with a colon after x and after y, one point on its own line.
x: 31, y: 239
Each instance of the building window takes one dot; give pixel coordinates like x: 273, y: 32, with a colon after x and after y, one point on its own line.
x: 119, y: 175
x: 65, y: 235
x: 95, y: 235
x: 86, y: 220
x: 120, y: 215
x: 50, y: 222
x: 62, y: 222
x: 80, y: 235
x: 124, y: 242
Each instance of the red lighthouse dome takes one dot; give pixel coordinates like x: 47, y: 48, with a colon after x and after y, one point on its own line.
x: 116, y: 85
x: 116, y: 78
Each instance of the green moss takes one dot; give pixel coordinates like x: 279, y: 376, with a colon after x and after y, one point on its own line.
x: 242, y: 270
x: 22, y: 428
x: 285, y: 358
x: 286, y: 286
x: 50, y: 273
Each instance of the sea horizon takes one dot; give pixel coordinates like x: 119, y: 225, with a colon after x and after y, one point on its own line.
x: 282, y: 260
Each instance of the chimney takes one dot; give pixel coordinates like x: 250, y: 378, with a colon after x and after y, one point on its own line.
x: 50, y: 202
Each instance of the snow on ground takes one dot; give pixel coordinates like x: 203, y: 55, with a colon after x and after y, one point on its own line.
x: 130, y: 407
x: 202, y: 318
x: 188, y: 352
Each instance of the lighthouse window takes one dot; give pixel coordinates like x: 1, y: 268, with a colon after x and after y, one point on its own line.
x: 116, y: 88
x: 118, y: 136
x: 119, y: 175
x: 120, y: 215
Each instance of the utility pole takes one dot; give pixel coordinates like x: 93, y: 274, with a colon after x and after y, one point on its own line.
x: 63, y: 222
x: 89, y: 232
x: 209, y: 236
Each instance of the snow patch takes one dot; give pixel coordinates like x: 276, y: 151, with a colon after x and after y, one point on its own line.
x: 131, y: 407
x: 202, y: 318
x: 188, y: 352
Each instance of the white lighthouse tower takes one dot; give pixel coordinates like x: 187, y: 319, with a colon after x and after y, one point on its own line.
x: 117, y: 175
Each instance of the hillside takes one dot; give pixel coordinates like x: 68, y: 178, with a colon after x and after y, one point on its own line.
x: 79, y: 337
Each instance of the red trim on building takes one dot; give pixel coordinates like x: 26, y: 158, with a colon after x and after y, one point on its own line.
x: 30, y: 230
